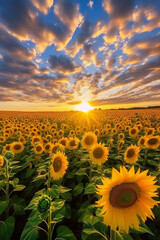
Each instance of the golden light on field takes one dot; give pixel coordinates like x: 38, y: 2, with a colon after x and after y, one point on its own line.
x: 84, y: 107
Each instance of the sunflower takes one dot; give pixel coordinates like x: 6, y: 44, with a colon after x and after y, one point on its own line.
x: 150, y: 132
x: 2, y: 139
x: 35, y: 140
x: 133, y: 132
x: 54, y: 148
x: 63, y: 141
x: 73, y: 143
x: 47, y: 147
x: 126, y: 196
x: 114, y: 130
x: 6, y: 148
x: 22, y: 139
x: 58, y: 166
x: 17, y: 147
x: 120, y: 145
x: 88, y: 140
x: 141, y: 142
x: 60, y: 133
x: 1, y: 161
x: 121, y: 136
x: 99, y: 154
x: 96, y: 132
x: 152, y: 142
x: 38, y: 149
x: 131, y: 154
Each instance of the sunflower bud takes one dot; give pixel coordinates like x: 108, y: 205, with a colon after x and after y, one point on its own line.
x: 9, y: 155
x: 44, y: 203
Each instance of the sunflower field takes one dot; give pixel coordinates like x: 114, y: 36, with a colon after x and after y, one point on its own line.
x: 85, y: 176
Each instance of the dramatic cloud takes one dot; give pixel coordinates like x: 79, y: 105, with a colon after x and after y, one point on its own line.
x: 62, y: 64
x: 65, y: 51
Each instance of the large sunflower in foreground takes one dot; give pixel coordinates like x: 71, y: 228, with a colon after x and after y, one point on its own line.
x: 126, y: 196
x: 88, y: 140
x: 17, y: 147
x: 99, y: 154
x: 58, y: 166
x: 131, y: 154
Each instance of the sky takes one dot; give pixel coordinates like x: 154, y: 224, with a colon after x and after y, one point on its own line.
x: 55, y: 54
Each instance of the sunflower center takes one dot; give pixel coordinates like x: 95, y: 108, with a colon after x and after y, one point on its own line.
x: 63, y: 142
x: 7, y: 147
x: 124, y: 195
x: 47, y: 147
x: 142, y: 141
x: 149, y: 132
x: 17, y: 147
x: 57, y: 164
x: 133, y: 131
x: 130, y: 153
x: 98, y: 152
x: 54, y: 149
x: 152, y: 141
x: 89, y: 140
x: 73, y: 143
x: 38, y: 148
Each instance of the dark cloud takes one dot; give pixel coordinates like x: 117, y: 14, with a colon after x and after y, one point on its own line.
x: 10, y: 45
x: 119, y: 9
x: 62, y: 64
x: 22, y: 19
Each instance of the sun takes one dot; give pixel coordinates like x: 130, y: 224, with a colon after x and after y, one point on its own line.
x: 84, y: 107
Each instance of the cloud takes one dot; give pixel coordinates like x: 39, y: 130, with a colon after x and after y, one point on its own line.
x: 87, y: 31
x: 23, y: 21
x: 89, y: 56
x: 43, y: 5
x: 68, y: 12
x: 90, y: 3
x: 63, y: 64
x: 11, y: 46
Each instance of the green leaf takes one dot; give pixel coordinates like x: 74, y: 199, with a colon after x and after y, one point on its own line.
x: 81, y: 172
x: 32, y: 204
x: 65, y: 233
x: 57, y: 204
x: 3, y: 206
x: 123, y: 236
x: 90, y: 188
x: 7, y: 228
x: 10, y: 223
x: 90, y: 230
x: 63, y: 189
x: 66, y: 196
x: 142, y: 228
x: 19, y: 188
x: 68, y: 211
x: 2, y: 184
x: 30, y: 232
x: 58, y: 218
x: 78, y: 189
x: 3, y: 230
x: 54, y: 191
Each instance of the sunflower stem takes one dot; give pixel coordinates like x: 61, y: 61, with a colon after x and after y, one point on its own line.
x: 49, y: 216
x: 7, y: 188
x: 49, y: 226
x: 145, y: 155
x: 112, y: 235
x: 90, y: 172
